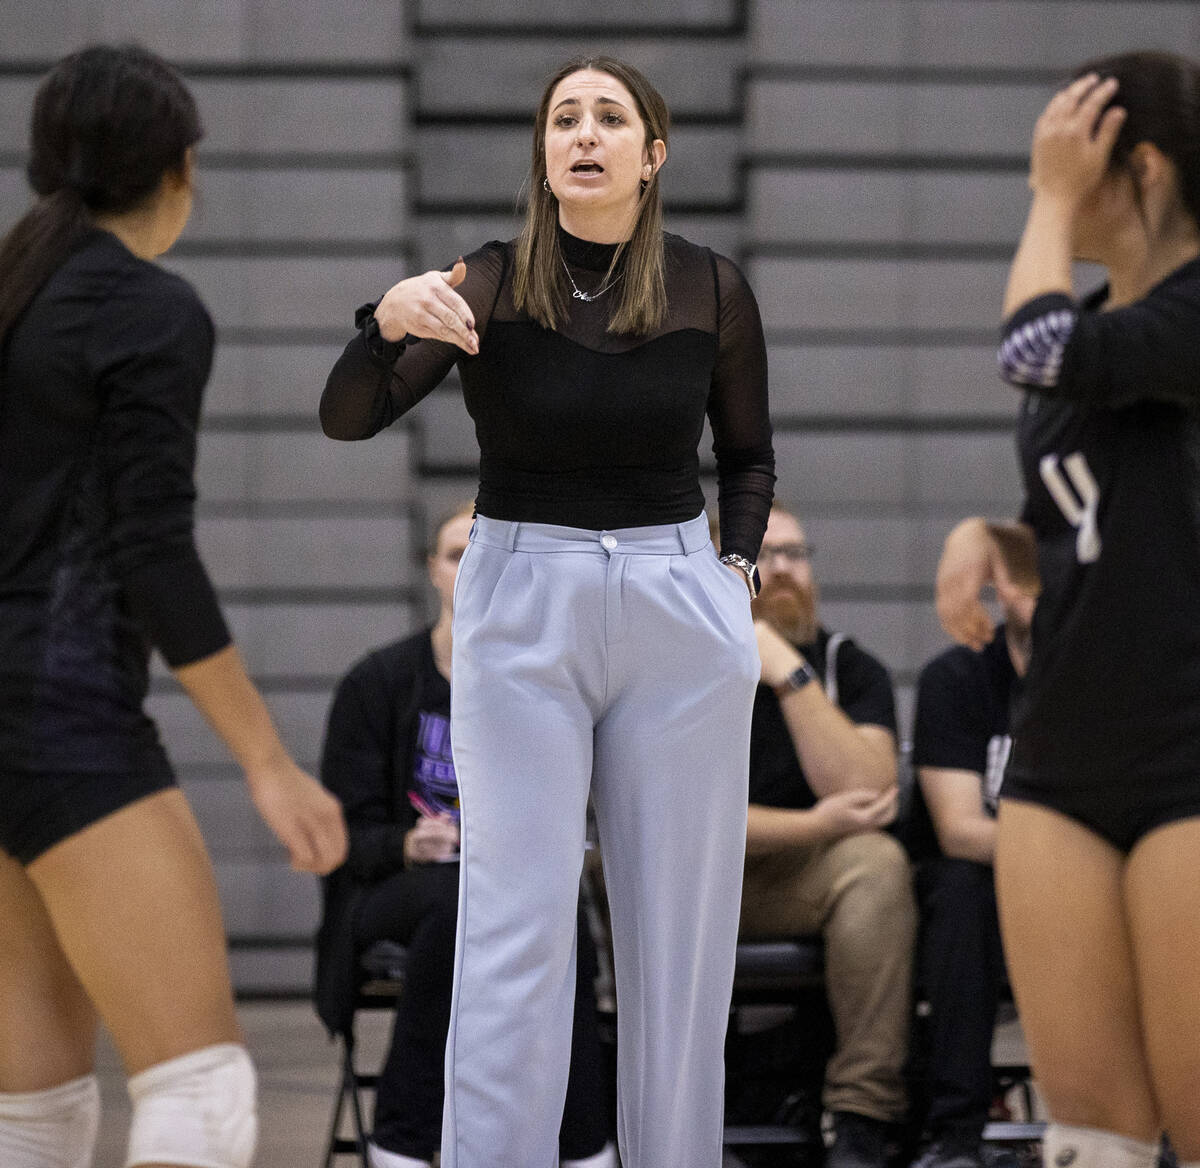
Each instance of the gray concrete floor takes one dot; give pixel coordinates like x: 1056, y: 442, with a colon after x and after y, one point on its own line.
x: 298, y: 1073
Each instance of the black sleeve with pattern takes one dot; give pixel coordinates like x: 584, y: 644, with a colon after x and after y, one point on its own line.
x: 1145, y: 351
x: 740, y: 417
x: 151, y: 350
x: 375, y: 381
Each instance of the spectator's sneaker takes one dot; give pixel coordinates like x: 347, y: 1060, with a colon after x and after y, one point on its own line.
x: 1009, y: 1156
x: 858, y: 1141
x: 379, y: 1157
x: 605, y: 1158
x: 952, y: 1153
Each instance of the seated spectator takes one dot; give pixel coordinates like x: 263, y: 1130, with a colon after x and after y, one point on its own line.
x: 387, y: 756
x: 823, y: 787
x: 960, y: 747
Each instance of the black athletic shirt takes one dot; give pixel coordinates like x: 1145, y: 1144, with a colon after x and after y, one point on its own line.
x: 100, y: 384
x: 964, y: 709
x: 585, y: 428
x: 865, y: 696
x: 1110, y: 455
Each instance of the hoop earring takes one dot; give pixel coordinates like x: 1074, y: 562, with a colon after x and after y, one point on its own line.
x: 546, y: 186
x: 645, y: 184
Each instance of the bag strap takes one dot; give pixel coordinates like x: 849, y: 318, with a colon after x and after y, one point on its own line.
x: 831, y: 656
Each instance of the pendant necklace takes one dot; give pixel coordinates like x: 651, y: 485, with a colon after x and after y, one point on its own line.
x: 578, y: 294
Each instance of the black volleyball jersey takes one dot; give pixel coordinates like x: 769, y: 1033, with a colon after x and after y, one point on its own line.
x: 100, y: 387
x: 1109, y: 442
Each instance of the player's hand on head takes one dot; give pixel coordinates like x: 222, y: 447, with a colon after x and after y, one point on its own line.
x: 428, y: 306
x: 1074, y: 137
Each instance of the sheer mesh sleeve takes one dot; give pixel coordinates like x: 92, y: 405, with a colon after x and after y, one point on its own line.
x: 373, y: 382
x: 738, y: 412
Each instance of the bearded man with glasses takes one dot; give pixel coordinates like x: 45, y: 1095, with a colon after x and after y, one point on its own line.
x: 823, y: 787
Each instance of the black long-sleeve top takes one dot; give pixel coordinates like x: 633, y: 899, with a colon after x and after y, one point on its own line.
x: 375, y: 754
x: 378, y: 748
x: 100, y: 387
x: 1109, y: 441
x: 581, y: 427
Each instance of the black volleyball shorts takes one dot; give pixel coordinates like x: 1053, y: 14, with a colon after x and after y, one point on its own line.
x: 1120, y: 813
x: 38, y: 810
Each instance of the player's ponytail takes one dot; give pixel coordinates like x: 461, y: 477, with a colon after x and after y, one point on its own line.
x: 108, y: 123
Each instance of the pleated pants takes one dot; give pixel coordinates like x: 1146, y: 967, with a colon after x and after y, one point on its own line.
x: 622, y: 664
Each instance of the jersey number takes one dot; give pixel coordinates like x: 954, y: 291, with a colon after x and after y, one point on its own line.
x: 1079, y: 501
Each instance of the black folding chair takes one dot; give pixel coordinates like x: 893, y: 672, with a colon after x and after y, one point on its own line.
x: 381, y: 972
x: 773, y: 973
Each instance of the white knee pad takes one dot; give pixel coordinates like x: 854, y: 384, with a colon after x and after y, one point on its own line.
x: 1066, y: 1146
x: 50, y: 1129
x: 198, y: 1109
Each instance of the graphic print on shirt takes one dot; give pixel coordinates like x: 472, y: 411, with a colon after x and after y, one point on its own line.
x: 434, y: 779
x: 1079, y: 506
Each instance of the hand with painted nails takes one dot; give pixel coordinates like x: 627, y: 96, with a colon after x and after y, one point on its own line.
x: 428, y: 306
x: 1074, y: 137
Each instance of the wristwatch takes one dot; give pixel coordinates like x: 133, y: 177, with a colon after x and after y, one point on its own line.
x: 797, y: 679
x: 743, y: 565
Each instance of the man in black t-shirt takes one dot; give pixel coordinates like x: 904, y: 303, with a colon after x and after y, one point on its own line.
x: 961, y: 745
x: 822, y: 789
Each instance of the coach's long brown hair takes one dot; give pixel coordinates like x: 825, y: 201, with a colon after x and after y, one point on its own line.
x: 539, y: 285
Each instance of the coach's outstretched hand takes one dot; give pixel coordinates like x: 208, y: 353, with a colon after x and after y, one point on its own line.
x: 427, y: 306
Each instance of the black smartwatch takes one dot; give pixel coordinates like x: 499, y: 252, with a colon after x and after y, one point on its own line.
x: 797, y: 679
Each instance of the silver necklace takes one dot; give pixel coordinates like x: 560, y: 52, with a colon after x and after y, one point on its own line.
x: 579, y: 294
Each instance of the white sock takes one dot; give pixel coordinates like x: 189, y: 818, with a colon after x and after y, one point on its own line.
x: 605, y: 1158
x: 379, y: 1157
x: 1066, y: 1146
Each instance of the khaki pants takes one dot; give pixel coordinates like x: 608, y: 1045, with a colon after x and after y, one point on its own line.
x: 857, y: 893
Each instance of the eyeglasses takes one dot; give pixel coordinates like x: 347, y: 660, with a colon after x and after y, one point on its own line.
x: 790, y: 553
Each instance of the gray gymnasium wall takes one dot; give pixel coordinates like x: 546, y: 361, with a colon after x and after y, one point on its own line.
x: 863, y: 159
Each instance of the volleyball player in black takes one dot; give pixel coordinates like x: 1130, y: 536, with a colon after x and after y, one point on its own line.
x: 1099, y: 825
x: 108, y: 905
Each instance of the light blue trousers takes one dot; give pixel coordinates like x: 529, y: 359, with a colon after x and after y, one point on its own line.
x: 621, y: 663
